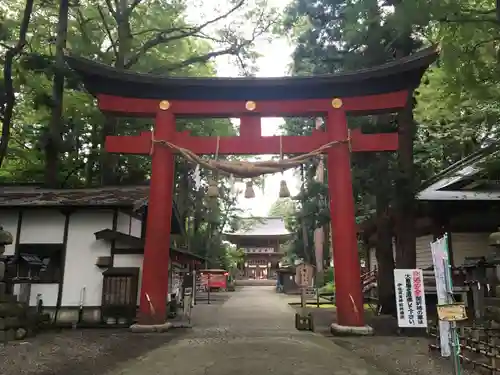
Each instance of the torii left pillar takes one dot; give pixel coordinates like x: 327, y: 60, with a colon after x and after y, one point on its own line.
x: 154, y: 289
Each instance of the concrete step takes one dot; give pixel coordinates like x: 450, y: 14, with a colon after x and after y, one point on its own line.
x: 252, y: 282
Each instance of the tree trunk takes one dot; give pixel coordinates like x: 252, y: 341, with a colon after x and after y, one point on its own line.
x: 123, y: 47
x: 108, y: 161
x: 406, y: 255
x: 56, y: 127
x: 7, y: 107
x: 383, y: 250
x: 92, y: 157
x: 405, y: 182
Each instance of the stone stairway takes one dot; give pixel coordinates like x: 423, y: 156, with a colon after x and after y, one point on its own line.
x: 251, y: 282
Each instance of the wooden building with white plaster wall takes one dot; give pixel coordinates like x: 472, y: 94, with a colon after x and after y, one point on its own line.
x: 82, y: 235
x: 463, y: 201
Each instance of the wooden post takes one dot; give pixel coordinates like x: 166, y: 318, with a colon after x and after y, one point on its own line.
x: 154, y: 288
x: 348, y: 296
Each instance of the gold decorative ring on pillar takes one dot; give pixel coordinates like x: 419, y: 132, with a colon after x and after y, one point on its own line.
x: 164, y: 105
x: 250, y: 105
x: 337, y: 103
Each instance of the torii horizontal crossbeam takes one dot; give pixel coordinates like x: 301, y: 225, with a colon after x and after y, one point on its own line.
x: 369, y: 104
x: 142, y: 144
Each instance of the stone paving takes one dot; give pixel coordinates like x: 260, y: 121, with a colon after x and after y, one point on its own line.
x: 251, y: 333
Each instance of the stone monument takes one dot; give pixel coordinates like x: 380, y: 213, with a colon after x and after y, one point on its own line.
x: 16, y: 321
x: 5, y: 239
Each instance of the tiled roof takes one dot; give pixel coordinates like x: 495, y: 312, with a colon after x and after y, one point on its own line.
x: 31, y: 196
x: 261, y: 226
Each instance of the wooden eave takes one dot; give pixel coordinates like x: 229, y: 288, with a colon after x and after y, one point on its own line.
x: 397, y: 75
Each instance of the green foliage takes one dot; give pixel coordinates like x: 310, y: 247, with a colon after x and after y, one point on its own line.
x: 328, y: 288
x: 283, y: 207
x: 233, y: 258
x: 457, y: 104
x: 145, y: 36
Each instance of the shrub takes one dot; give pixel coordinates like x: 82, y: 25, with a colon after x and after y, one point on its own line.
x: 328, y: 288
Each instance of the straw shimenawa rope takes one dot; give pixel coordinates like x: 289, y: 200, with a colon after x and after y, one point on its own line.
x: 245, y: 169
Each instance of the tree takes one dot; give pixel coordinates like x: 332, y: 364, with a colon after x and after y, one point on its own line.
x: 365, y: 42
x: 8, y: 98
x: 141, y: 35
x: 334, y: 36
x: 283, y: 207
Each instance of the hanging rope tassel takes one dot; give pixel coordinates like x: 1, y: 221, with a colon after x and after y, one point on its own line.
x: 249, y: 192
x: 213, y: 188
x: 284, y: 191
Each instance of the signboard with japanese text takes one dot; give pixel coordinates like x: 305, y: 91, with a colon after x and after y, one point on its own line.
x: 410, y: 298
x: 304, y: 275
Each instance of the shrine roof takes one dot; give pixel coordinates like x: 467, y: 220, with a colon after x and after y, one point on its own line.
x: 123, y: 197
x: 33, y: 196
x: 396, y: 75
x: 261, y: 227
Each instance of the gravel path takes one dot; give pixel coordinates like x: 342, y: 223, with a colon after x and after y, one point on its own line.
x: 252, y: 333
x: 79, y: 352
x: 396, y: 355
x: 399, y: 355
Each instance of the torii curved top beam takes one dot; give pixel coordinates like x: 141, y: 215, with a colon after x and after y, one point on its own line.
x: 397, y: 75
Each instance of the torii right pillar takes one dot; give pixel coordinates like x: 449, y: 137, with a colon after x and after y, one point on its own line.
x: 349, y: 297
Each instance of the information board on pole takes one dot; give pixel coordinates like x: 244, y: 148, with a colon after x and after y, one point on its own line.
x: 410, y: 298
x: 303, y: 275
x: 440, y: 261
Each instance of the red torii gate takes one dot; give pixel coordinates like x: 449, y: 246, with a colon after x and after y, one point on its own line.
x: 386, y: 88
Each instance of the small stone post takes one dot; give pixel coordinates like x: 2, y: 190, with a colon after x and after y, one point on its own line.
x: 7, y: 331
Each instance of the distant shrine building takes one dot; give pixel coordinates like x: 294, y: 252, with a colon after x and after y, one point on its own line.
x: 260, y: 239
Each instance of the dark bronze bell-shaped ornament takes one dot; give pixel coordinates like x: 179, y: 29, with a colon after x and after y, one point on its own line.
x: 284, y: 192
x: 249, y: 193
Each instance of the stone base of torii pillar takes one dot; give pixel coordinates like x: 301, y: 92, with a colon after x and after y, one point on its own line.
x: 338, y: 330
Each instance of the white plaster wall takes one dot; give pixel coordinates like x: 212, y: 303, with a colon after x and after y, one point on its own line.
x: 8, y: 219
x: 42, y: 226
x: 123, y: 223
x: 82, y: 252
x: 128, y: 224
x: 136, y: 227
x: 48, y: 294
x: 130, y: 260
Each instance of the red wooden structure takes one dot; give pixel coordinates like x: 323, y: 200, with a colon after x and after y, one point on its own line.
x: 214, y: 278
x: 381, y: 89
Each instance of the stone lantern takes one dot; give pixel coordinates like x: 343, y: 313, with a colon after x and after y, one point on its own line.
x: 493, y: 259
x: 5, y: 239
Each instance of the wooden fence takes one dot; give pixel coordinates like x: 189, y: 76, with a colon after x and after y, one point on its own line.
x: 479, y: 347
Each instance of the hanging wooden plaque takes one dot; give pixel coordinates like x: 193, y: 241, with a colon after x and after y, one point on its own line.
x: 454, y: 312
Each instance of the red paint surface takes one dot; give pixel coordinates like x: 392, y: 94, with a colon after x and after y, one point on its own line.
x: 348, y: 295
x: 256, y: 145
x: 157, y: 246
x: 271, y: 108
x: 215, y: 280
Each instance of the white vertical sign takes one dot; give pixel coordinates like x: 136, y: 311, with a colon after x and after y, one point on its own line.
x: 410, y: 298
x: 440, y: 260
